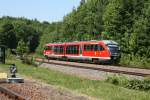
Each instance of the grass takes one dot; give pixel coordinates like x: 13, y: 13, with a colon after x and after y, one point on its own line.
x: 98, y: 89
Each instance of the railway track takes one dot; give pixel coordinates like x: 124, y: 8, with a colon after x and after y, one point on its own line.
x: 7, y: 94
x: 112, y: 69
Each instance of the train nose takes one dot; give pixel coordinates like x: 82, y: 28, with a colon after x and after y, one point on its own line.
x: 114, y: 52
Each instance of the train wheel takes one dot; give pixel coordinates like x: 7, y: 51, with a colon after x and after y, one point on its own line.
x: 95, y: 60
x: 115, y: 62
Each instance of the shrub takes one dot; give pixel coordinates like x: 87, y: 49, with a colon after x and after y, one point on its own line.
x: 139, y: 84
x: 130, y: 83
x: 134, y: 84
x: 117, y: 80
x: 135, y: 61
x: 29, y: 61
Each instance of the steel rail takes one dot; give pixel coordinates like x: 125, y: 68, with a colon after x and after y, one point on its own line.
x: 129, y: 72
x: 12, y: 94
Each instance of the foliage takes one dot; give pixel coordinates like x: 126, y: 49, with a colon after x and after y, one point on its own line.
x: 8, y: 37
x: 12, y: 30
x: 50, y: 37
x: 137, y: 84
x: 29, y: 61
x: 132, y: 60
x: 117, y: 80
x: 22, y: 48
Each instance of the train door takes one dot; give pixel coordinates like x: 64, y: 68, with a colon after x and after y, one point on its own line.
x: 96, y: 49
x: 102, y: 52
x: 90, y: 50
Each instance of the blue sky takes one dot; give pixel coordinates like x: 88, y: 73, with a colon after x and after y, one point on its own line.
x: 42, y: 10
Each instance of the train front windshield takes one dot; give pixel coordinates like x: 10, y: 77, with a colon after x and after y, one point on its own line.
x: 114, y: 49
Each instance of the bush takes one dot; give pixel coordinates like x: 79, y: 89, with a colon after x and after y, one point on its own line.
x: 117, y: 80
x: 130, y: 83
x: 135, y: 84
x: 29, y: 61
x: 135, y: 61
x: 139, y: 84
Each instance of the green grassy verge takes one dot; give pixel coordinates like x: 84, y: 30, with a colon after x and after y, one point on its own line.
x: 98, y: 89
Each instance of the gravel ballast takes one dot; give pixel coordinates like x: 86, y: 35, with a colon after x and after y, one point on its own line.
x: 83, y: 73
x: 35, y: 90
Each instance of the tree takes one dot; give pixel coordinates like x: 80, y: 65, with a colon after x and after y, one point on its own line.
x: 142, y: 29
x: 8, y: 37
x: 29, y: 35
x: 82, y: 2
x: 22, y: 48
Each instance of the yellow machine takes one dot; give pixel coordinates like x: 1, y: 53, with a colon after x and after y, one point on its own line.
x: 3, y: 76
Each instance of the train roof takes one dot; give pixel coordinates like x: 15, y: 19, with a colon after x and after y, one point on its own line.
x: 110, y: 42
x: 107, y: 42
x: 52, y: 44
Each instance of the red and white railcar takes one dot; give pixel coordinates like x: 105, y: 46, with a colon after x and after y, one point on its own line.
x: 99, y: 51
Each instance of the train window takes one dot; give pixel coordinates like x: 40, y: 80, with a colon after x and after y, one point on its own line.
x: 90, y: 47
x: 87, y: 47
x: 96, y: 47
x: 58, y: 49
x: 101, y: 48
x: 72, y: 49
x: 48, y: 48
x: 93, y: 47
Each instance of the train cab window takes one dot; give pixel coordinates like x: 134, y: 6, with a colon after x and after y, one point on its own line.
x: 101, y: 48
x: 48, y: 48
x: 58, y: 49
x: 72, y: 49
x: 98, y: 47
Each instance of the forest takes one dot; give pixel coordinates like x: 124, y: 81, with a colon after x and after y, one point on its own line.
x: 124, y: 21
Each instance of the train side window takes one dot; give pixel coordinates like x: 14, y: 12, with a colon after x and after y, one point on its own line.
x: 101, y: 48
x: 48, y: 48
x: 72, y: 49
x: 58, y: 49
x: 85, y: 47
x: 96, y: 47
x: 76, y: 49
x: 61, y: 50
x: 68, y: 49
x: 88, y: 47
x: 55, y: 49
